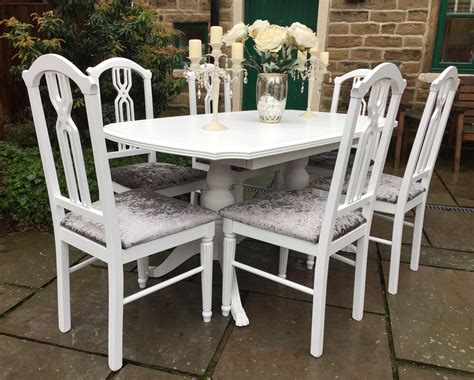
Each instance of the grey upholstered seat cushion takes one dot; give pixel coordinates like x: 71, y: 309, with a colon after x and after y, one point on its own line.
x: 143, y: 216
x: 327, y: 160
x: 291, y: 213
x: 155, y: 175
x: 388, y: 189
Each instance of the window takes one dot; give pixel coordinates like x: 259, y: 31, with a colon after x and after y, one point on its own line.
x: 189, y: 32
x: 454, y: 43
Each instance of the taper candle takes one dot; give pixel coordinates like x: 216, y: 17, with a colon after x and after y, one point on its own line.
x: 325, y: 57
x: 195, y: 48
x: 216, y: 34
x: 238, y: 50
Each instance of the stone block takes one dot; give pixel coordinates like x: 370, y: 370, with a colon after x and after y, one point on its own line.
x: 417, y: 15
x: 410, y: 68
x: 338, y: 54
x: 403, y: 55
x: 388, y: 16
x: 349, y: 16
x: 344, y: 41
x: 365, y: 28
x: 387, y: 28
x: 366, y: 54
x: 384, y: 41
x: 367, y: 4
x: 413, y: 41
x: 413, y: 28
x: 338, y: 28
x: 412, y: 4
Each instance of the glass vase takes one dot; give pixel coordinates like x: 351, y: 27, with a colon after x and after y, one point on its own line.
x: 272, y: 92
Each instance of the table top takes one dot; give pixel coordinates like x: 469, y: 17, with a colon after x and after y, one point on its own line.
x: 246, y: 138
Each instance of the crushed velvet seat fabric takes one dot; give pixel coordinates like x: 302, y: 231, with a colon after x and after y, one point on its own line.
x: 327, y: 160
x: 155, y: 175
x: 388, y: 189
x: 143, y: 216
x: 291, y: 213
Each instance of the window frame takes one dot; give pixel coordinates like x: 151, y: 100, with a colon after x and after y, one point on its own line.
x: 437, y: 65
x: 181, y: 26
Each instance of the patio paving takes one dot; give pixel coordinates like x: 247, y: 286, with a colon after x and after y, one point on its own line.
x: 424, y: 332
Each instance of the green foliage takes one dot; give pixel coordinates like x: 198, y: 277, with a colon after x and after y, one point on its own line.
x: 23, y: 193
x: 90, y: 31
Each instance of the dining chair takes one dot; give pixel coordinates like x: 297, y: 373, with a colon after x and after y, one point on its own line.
x: 240, y: 175
x: 117, y: 229
x: 169, y: 179
x: 304, y: 222
x: 398, y: 195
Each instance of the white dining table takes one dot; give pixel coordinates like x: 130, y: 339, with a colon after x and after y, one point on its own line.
x: 247, y: 143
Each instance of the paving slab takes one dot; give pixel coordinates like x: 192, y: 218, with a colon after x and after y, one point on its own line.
x: 437, y: 257
x: 432, y: 317
x: 418, y: 373
x: 10, y: 295
x: 450, y: 230
x: 22, y: 359
x: 133, y: 372
x: 276, y: 344
x: 28, y: 258
x: 164, y: 329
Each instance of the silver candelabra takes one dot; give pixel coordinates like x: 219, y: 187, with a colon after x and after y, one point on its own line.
x: 235, y: 70
x: 313, y: 70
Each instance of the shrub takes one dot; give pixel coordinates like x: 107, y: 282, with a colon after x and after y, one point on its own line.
x: 23, y: 194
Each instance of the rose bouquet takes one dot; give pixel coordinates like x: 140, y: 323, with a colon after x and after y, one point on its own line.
x: 276, y: 49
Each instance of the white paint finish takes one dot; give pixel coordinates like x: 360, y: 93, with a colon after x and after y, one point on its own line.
x: 246, y: 139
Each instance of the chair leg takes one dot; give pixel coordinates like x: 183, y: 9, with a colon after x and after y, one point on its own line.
x: 279, y: 180
x: 458, y: 143
x: 360, y: 278
x: 238, y: 192
x: 319, y: 305
x: 115, y: 315
x: 283, y: 262
x: 207, y: 251
x: 228, y: 271
x: 64, y: 296
x: 417, y: 235
x: 399, y: 139
x: 310, y: 262
x: 193, y: 198
x: 142, y: 265
x: 396, y: 251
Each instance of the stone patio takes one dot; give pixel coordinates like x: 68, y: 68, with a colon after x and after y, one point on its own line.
x: 424, y: 332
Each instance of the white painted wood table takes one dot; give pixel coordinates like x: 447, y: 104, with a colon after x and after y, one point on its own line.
x: 247, y: 143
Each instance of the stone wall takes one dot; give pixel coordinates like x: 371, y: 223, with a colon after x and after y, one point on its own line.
x: 362, y: 34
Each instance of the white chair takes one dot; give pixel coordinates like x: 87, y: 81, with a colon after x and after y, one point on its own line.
x: 304, y: 222
x: 240, y: 175
x: 116, y: 229
x: 396, y: 195
x: 324, y: 163
x: 170, y: 180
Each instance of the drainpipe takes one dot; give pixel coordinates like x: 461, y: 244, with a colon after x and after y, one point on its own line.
x: 215, y: 12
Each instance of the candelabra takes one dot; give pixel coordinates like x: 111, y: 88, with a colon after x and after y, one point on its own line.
x: 314, y: 72
x: 216, y: 73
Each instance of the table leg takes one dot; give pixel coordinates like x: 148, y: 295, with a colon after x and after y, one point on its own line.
x: 218, y: 195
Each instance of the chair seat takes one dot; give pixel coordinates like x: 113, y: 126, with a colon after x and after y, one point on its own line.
x: 143, y: 216
x: 327, y: 160
x: 155, y: 175
x: 291, y: 213
x: 388, y: 189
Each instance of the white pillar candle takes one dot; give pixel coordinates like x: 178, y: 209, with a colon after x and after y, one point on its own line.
x: 325, y: 57
x: 195, y: 48
x: 238, y: 50
x: 314, y: 50
x: 216, y: 34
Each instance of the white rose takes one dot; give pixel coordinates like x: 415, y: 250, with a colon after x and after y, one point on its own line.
x: 238, y: 33
x: 271, y: 38
x: 257, y: 26
x: 304, y: 38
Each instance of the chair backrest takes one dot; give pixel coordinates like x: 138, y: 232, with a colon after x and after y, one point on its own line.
x: 122, y: 69
x: 59, y: 72
x: 430, y: 131
x: 356, y: 76
x: 206, y: 84
x: 379, y: 82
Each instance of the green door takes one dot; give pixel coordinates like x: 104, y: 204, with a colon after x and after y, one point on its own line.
x: 284, y: 13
